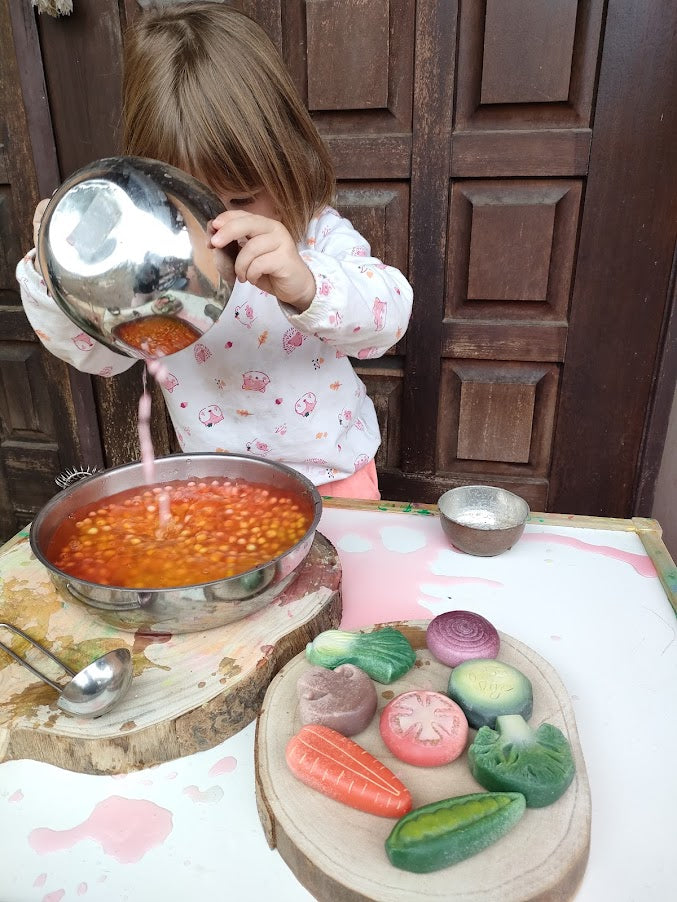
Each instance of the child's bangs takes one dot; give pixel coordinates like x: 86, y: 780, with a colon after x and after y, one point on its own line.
x: 217, y: 155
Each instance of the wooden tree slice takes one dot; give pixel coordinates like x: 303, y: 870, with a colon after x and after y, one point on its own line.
x: 189, y: 692
x: 338, y: 853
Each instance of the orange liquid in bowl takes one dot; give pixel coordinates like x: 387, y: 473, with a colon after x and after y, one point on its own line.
x: 217, y: 529
x: 157, y: 336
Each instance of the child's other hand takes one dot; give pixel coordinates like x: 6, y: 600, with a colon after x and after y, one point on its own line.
x: 268, y: 258
x: 37, y: 219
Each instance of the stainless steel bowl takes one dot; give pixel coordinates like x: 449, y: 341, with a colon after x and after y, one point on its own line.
x: 124, y: 240
x: 482, y: 519
x: 192, y: 608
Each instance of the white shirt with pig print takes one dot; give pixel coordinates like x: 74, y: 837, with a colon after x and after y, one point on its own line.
x: 264, y: 379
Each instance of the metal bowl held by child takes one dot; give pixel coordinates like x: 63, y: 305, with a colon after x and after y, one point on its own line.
x: 482, y: 519
x: 182, y: 608
x: 123, y: 248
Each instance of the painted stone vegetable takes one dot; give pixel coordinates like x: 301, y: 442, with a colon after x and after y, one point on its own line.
x: 339, y: 768
x: 515, y: 758
x: 457, y: 636
x: 384, y: 654
x: 443, y: 833
x: 343, y: 699
x: 486, y: 688
x: 424, y: 728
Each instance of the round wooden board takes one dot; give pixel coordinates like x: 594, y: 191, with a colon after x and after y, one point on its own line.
x: 338, y: 853
x: 189, y: 692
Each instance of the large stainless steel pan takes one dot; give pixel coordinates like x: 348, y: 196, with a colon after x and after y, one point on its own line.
x: 191, y: 608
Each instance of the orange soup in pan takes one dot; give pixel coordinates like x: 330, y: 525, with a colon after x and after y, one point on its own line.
x: 179, y: 534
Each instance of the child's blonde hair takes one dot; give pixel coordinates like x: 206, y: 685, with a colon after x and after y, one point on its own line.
x: 205, y: 90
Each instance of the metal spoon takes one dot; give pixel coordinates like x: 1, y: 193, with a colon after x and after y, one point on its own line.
x: 91, y: 691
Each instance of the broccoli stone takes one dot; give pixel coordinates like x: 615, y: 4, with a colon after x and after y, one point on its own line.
x: 515, y: 758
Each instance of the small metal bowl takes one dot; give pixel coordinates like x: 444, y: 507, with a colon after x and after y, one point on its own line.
x: 482, y: 519
x: 123, y: 248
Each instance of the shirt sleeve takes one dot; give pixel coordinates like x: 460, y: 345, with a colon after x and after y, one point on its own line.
x: 58, y: 333
x: 361, y: 306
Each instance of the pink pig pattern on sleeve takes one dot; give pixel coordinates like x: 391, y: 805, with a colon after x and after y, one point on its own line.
x: 201, y: 352
x: 255, y: 381
x: 306, y: 404
x: 292, y: 339
x: 211, y: 415
x: 379, y: 310
x: 169, y: 382
x: 245, y: 315
x: 83, y: 342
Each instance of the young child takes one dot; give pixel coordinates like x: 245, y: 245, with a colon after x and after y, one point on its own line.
x: 205, y: 90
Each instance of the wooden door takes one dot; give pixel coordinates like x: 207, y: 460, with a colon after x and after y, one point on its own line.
x: 513, y: 158
x: 47, y: 415
x: 494, y: 237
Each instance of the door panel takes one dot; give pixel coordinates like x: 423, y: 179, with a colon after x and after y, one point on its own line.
x: 498, y: 415
x: 511, y: 247
x: 352, y: 61
x: 527, y: 65
x: 543, y: 76
x: 335, y: 44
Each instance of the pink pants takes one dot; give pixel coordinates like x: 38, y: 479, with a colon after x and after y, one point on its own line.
x: 362, y: 485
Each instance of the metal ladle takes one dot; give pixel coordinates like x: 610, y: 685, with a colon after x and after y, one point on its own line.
x: 91, y: 691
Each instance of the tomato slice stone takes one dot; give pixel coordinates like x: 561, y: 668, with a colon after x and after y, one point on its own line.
x: 424, y: 728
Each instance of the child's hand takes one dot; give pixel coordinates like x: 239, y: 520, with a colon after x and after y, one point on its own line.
x: 37, y: 219
x: 268, y: 259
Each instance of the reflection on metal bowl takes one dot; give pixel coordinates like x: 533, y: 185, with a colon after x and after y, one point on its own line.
x: 482, y: 519
x: 124, y: 239
x: 186, y: 609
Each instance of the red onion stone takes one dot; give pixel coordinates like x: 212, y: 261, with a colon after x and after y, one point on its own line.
x: 458, y: 636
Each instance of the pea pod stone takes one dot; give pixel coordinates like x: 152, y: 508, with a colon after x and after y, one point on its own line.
x: 443, y: 833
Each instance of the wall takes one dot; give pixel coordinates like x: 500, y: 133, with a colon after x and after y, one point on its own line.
x: 665, y: 499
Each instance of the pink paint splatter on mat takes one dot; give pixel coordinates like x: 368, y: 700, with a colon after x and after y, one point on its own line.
x: 173, y: 775
x: 393, y: 590
x: 82, y: 889
x: 16, y: 796
x: 125, y: 828
x: 640, y: 563
x: 40, y: 880
x: 224, y: 766
x: 56, y: 896
x: 213, y: 794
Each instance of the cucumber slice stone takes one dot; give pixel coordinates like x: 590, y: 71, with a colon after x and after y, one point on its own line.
x: 486, y: 688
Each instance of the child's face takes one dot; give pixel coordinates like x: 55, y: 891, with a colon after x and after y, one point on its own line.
x: 258, y: 202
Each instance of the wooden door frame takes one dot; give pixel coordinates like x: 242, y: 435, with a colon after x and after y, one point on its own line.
x: 77, y: 430
x: 658, y: 418
x: 622, y: 303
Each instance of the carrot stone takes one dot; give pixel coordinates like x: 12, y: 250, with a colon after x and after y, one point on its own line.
x: 339, y: 768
